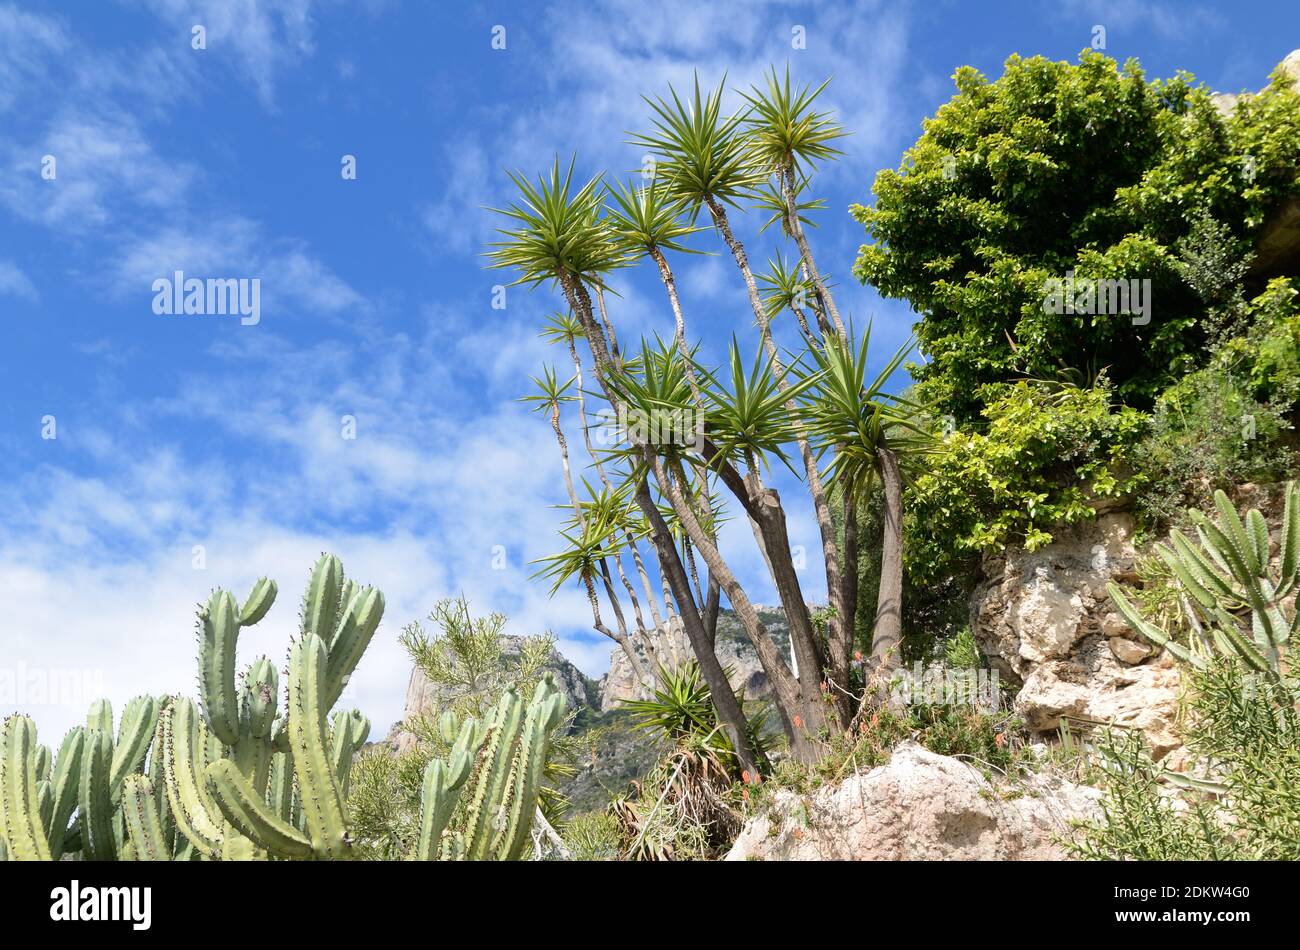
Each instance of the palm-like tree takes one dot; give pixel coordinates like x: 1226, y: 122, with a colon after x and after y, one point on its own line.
x: 647, y: 221
x: 550, y: 394
x: 706, y: 159
x: 868, y: 431
x: 700, y: 152
x: 586, y: 554
x: 786, y: 289
x: 562, y: 327
x: 770, y: 199
x: 786, y: 135
x: 748, y: 421
x: 560, y: 235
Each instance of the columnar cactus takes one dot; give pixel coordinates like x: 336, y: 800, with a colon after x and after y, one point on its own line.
x: 20, y: 796
x: 237, y: 780
x: 500, y: 762
x: 1232, y: 589
x: 87, y: 776
x: 279, y: 786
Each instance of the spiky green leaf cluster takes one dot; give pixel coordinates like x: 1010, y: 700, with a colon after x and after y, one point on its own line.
x: 556, y: 231
x: 701, y: 153
x: 1241, y: 606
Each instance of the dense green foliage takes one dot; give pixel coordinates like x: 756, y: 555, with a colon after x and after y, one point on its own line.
x: 1047, y: 452
x: 1057, y: 168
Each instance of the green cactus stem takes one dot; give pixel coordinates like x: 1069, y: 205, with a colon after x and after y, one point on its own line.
x: 20, y: 805
x: 1228, y: 576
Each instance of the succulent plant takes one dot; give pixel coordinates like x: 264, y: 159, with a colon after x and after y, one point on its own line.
x: 500, y: 761
x: 1231, y: 587
x: 232, y: 778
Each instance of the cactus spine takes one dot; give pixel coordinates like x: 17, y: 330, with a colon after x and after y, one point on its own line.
x: 1232, y: 589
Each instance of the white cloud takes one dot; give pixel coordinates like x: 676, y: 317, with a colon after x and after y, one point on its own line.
x: 103, y: 166
x: 257, y: 38
x: 15, y: 283
x: 1168, y: 21
x: 27, y: 41
x: 455, y: 220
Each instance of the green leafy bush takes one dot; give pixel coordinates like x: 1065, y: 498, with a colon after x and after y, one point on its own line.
x: 1056, y: 168
x: 1046, y: 454
x: 1208, y: 433
x: 1245, y: 733
x: 1267, y: 354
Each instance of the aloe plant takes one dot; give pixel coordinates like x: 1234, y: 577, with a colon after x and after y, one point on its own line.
x: 1231, y: 587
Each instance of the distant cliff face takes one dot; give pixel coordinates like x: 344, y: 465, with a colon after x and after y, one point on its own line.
x: 735, y: 652
x: 422, y: 696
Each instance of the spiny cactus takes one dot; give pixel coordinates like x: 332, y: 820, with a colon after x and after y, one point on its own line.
x: 20, y: 794
x: 500, y: 762
x: 231, y: 772
x: 1233, y: 591
x: 320, y: 793
x: 88, y: 776
x: 233, y: 779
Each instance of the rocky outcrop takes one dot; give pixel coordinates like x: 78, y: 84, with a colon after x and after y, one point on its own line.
x: 735, y: 652
x: 919, y: 806
x: 1046, y: 623
x: 423, y: 696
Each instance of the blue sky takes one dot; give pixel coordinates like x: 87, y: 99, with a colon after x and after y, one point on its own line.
x: 175, y: 432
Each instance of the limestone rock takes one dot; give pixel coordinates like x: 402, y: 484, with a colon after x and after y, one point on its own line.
x: 919, y: 806
x: 1045, y: 621
x: 1093, y: 686
x: 735, y: 652
x: 1128, y: 651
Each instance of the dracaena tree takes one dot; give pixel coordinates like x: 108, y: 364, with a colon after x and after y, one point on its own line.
x: 814, y: 412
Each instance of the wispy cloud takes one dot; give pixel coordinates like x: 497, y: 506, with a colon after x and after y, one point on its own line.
x: 27, y: 42
x: 256, y: 39
x: 15, y: 283
x: 1169, y: 21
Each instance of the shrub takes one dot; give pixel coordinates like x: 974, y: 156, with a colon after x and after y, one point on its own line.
x: 595, y: 836
x: 1245, y: 734
x: 1208, y: 433
x: 1057, y: 167
x: 1046, y: 453
x: 995, y: 741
